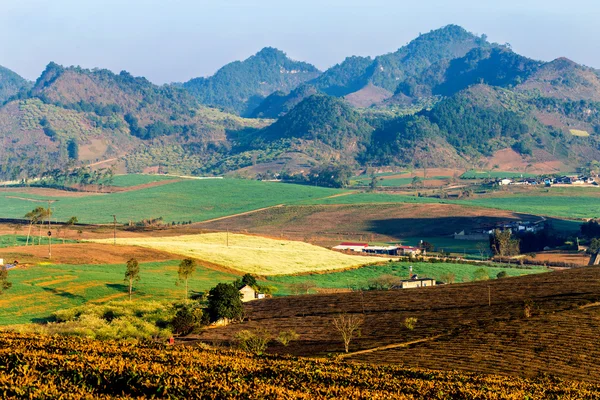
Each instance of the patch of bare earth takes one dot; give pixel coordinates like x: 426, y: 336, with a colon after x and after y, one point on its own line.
x: 82, y: 253
x: 327, y: 225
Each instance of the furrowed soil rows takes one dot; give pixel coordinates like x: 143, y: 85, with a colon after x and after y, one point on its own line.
x: 479, y: 323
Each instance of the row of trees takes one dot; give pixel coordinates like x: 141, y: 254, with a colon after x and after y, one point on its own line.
x: 83, y: 176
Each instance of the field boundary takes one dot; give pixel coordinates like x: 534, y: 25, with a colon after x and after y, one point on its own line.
x: 238, y: 215
x: 392, y: 346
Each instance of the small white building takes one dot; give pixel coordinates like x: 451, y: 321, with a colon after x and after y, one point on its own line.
x: 248, y: 294
x: 415, y: 283
x: 505, y: 181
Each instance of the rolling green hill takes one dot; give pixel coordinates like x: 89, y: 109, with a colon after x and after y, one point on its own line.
x: 240, y: 86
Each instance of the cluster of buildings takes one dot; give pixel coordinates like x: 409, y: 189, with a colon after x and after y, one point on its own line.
x: 562, y: 180
x: 394, y: 250
x: 513, y: 226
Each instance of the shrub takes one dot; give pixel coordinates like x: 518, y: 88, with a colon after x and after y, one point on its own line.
x: 410, y: 323
x: 253, y: 341
x: 187, y: 319
x: 501, y: 274
x: 285, y: 337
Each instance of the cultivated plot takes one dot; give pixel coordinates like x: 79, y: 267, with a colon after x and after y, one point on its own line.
x: 256, y: 255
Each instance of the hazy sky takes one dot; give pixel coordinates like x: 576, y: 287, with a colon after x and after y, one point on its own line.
x: 175, y: 40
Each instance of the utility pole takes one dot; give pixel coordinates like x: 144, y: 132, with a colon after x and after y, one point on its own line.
x: 114, y: 230
x: 227, y: 237
x: 489, y: 296
x: 49, y: 232
x: 49, y: 201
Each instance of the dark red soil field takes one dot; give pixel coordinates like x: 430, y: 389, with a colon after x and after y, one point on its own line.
x: 456, y: 327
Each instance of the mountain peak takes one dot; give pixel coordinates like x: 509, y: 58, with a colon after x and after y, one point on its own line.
x: 270, y: 52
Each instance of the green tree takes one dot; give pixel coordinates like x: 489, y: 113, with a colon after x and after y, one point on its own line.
x: 187, y: 267
x: 187, y: 318
x: 501, y: 274
x: 132, y: 273
x: 73, y: 149
x: 502, y: 243
x: 4, y: 283
x: 416, y: 182
x: 481, y: 275
x: 247, y: 279
x: 34, y: 216
x: 225, y: 301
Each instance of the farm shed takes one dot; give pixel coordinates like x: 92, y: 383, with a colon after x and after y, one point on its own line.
x: 387, y: 250
x: 352, y: 246
x: 415, y: 283
x: 408, y: 250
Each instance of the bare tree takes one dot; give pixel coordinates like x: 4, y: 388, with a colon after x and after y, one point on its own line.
x: 349, y: 327
x: 483, y: 248
x: 302, y: 287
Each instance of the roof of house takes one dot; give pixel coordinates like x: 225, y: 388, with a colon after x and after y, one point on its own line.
x: 417, y: 280
x: 247, y: 287
x: 354, y: 244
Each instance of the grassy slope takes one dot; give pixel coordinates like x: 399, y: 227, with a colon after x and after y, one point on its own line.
x: 251, y: 254
x: 40, y: 290
x: 359, y: 278
x: 138, y: 179
x: 556, y: 202
x: 188, y: 200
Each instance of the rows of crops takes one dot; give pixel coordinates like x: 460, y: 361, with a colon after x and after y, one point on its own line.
x: 53, y: 367
x: 459, y: 313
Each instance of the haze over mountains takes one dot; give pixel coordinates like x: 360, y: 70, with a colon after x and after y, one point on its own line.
x: 448, y: 98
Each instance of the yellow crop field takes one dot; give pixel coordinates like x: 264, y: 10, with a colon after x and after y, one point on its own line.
x: 256, y: 255
x: 579, y: 133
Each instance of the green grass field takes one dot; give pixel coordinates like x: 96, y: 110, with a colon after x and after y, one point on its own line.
x: 40, y: 290
x: 138, y: 179
x: 372, y: 198
x: 187, y: 200
x: 555, y: 206
x: 472, y: 174
x: 200, y: 200
x: 359, y: 278
x: 253, y: 254
x: 21, y: 240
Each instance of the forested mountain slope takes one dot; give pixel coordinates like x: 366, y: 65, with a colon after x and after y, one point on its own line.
x: 240, y: 86
x: 10, y: 84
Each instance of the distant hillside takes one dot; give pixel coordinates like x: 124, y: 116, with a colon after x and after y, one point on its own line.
x: 563, y: 79
x: 494, y: 66
x: 240, y: 86
x: 364, y: 81
x: 279, y: 103
x: 447, y: 99
x: 109, y: 116
x: 480, y: 120
x: 320, y: 118
x: 10, y: 84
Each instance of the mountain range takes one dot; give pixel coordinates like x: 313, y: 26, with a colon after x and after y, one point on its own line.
x: 449, y: 98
